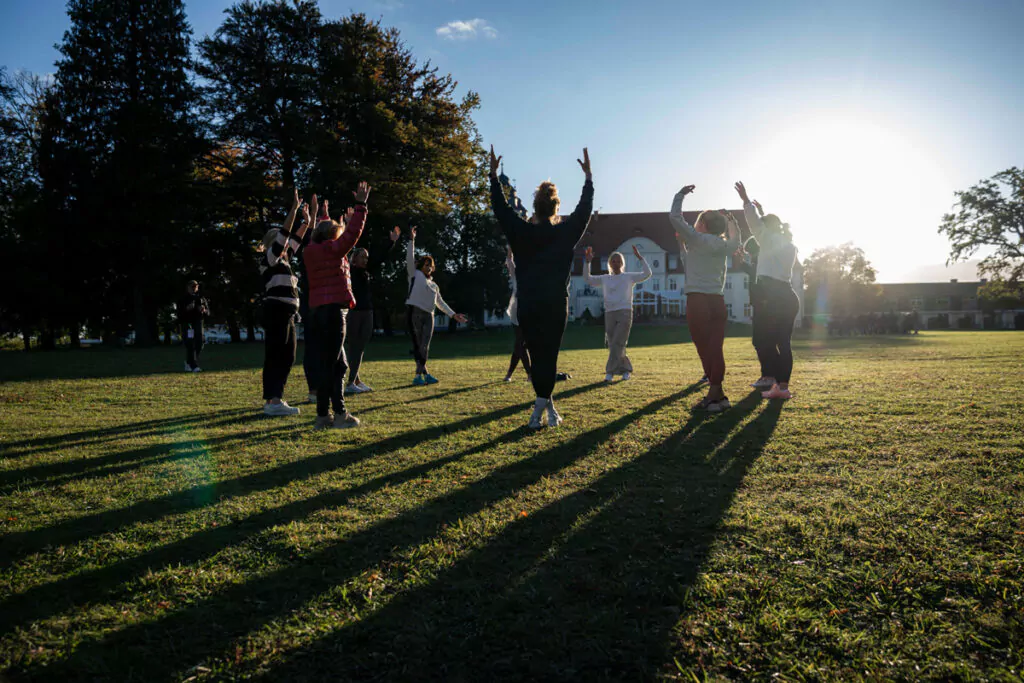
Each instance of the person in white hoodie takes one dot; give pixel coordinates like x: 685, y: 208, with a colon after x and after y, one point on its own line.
x: 617, y: 287
x: 779, y: 303
x: 424, y: 297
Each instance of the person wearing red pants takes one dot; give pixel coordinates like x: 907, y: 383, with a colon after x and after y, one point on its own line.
x: 705, y: 252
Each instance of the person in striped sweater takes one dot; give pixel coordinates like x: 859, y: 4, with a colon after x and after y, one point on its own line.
x: 280, y: 307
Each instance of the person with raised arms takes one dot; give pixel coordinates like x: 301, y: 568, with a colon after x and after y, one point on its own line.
x: 706, y: 253
x: 519, y: 351
x: 280, y: 307
x: 617, y: 288
x: 330, y: 298
x: 360, y: 318
x: 778, y: 304
x: 543, y: 248
x: 424, y: 297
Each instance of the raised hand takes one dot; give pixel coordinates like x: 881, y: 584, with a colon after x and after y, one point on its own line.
x: 585, y: 164
x: 588, y: 254
x: 495, y: 162
x: 295, y: 200
x: 687, y: 189
x: 636, y: 252
x: 314, y: 207
x: 757, y: 205
x: 305, y: 213
x: 395, y: 233
x: 325, y: 211
x: 742, y: 192
x: 412, y: 232
x: 363, y: 193
x: 348, y: 215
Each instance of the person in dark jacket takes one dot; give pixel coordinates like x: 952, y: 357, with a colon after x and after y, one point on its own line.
x: 360, y: 317
x: 192, y: 308
x: 543, y: 249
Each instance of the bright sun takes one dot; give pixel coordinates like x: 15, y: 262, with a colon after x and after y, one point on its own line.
x: 839, y: 179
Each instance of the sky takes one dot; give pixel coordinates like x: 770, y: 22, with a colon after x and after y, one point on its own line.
x: 853, y: 121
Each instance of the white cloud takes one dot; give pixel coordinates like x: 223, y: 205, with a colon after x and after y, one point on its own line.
x: 467, y: 30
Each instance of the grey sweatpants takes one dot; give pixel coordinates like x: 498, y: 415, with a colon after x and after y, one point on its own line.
x: 360, y: 330
x: 617, y: 325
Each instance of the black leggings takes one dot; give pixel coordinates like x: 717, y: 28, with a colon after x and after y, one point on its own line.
x: 543, y: 324
x: 279, y: 342
x: 329, y: 325
x: 776, y: 313
x: 519, y: 352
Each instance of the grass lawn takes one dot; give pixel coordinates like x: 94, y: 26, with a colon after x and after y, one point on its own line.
x: 156, y: 527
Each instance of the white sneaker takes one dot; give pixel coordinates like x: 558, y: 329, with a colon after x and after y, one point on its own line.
x: 554, y: 419
x: 536, y: 419
x: 346, y: 421
x: 188, y: 368
x: 626, y: 375
x: 609, y: 377
x: 352, y: 389
x: 279, y: 409
x: 364, y: 386
x: 197, y: 369
x: 508, y: 378
x: 763, y: 384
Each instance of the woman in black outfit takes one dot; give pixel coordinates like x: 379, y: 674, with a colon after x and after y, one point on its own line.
x: 360, y: 317
x: 543, y: 249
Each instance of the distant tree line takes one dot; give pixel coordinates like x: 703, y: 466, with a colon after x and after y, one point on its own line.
x: 146, y: 161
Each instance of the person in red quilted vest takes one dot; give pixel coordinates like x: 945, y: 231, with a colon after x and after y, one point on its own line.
x: 330, y: 298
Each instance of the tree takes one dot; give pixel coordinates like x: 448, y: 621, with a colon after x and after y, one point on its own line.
x: 990, y: 215
x: 132, y: 139
x: 840, y: 281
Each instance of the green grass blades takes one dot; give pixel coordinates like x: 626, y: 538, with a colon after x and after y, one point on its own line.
x: 156, y: 527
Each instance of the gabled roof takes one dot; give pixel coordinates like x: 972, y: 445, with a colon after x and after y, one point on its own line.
x: 607, y: 231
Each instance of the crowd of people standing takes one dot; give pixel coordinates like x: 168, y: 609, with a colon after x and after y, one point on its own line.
x: 336, y: 300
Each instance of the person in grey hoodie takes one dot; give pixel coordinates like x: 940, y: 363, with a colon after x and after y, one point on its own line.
x: 706, y: 256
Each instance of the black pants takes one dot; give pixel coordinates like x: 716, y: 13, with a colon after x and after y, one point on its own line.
x: 775, y: 315
x: 329, y: 323
x: 543, y: 324
x: 519, y: 352
x: 756, y: 321
x: 360, y: 330
x: 279, y: 345
x: 311, y: 360
x: 193, y: 344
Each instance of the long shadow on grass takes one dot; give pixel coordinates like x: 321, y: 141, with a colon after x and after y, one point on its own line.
x: 115, y: 433
x: 589, y: 588
x: 18, y: 545
x: 167, y: 646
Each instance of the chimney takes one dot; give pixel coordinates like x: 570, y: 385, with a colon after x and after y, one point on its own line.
x: 953, y: 281
x: 983, y: 280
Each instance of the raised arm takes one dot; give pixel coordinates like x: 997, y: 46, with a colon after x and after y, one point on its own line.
x: 508, y: 219
x: 684, y: 231
x: 580, y: 217
x: 356, y: 222
x: 647, y: 272
x: 510, y: 263
x: 751, y: 214
x: 588, y: 276
x: 385, y: 255
x: 410, y: 254
x: 440, y: 303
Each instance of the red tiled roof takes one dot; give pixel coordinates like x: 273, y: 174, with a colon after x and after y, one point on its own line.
x: 607, y: 231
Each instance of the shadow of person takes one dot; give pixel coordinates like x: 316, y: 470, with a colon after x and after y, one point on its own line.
x: 588, y: 588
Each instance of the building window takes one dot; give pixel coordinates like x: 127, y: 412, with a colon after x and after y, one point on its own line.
x: 672, y: 284
x: 746, y: 310
x: 655, y: 263
x: 746, y: 282
x: 604, y: 263
x: 656, y: 286
x: 942, y: 303
x: 673, y: 261
x: 728, y: 283
x: 728, y: 309
x: 916, y: 304
x: 639, y: 286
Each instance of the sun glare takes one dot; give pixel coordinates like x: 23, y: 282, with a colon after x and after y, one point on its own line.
x: 840, y: 179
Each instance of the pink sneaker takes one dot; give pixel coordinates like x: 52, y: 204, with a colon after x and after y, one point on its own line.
x: 776, y: 392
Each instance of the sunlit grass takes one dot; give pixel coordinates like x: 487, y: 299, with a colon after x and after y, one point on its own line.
x: 156, y: 527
